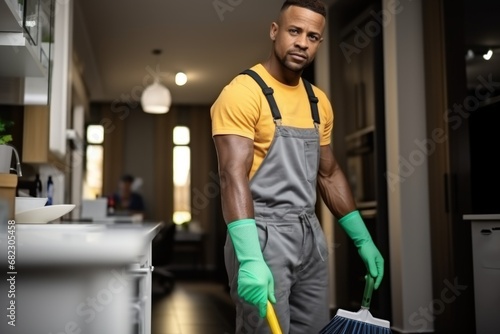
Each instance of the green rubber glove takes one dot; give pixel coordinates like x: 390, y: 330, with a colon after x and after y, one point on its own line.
x: 255, y: 280
x: 353, y: 225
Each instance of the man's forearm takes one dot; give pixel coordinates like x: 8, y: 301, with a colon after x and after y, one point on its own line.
x: 236, y: 197
x: 333, y: 185
x: 235, y: 156
x: 336, y: 194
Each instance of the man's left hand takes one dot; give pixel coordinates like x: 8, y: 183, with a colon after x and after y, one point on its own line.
x: 373, y: 260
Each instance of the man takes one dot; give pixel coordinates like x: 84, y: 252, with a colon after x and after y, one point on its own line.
x: 126, y: 200
x: 273, y: 147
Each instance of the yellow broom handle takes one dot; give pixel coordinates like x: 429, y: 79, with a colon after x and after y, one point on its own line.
x: 272, y: 319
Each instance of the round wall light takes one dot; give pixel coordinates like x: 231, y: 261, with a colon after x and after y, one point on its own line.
x: 180, y: 79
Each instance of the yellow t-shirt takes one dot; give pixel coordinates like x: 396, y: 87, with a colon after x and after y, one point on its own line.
x: 242, y: 109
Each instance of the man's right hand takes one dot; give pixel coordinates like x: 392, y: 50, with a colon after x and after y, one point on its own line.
x: 256, y: 284
x: 255, y: 280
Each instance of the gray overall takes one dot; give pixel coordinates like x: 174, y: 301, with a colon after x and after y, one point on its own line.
x: 291, y: 238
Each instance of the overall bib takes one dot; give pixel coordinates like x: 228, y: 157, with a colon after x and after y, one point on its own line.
x: 291, y: 238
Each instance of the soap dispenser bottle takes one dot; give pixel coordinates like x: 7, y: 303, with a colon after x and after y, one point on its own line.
x: 50, y: 191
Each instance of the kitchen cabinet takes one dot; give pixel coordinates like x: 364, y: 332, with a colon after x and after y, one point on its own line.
x: 36, y: 134
x: 81, y: 278
x: 39, y: 58
x: 26, y: 44
x: 485, y: 231
x: 25, y: 38
x: 36, y: 137
x: 11, y: 16
x: 8, y: 184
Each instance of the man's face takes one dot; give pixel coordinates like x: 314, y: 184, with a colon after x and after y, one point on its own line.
x: 297, y: 36
x: 125, y: 187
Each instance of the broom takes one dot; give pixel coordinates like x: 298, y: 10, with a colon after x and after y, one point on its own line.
x: 272, y: 319
x: 345, y: 322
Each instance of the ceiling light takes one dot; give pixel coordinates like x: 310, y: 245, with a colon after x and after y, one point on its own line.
x: 180, y: 79
x: 470, y: 54
x: 488, y: 55
x: 156, y: 98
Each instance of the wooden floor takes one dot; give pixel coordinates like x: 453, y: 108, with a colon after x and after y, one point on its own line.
x: 193, y: 307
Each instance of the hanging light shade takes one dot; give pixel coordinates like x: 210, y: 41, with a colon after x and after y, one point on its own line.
x: 156, y: 98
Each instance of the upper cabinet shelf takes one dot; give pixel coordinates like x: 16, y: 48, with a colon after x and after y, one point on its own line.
x: 11, y: 16
x: 26, y: 37
x: 22, y: 57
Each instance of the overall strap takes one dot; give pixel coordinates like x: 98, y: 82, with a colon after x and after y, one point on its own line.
x: 268, y: 92
x: 313, y: 100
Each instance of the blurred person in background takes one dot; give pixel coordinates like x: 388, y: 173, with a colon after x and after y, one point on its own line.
x: 127, y: 199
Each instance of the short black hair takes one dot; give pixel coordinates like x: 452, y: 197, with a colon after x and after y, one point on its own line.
x: 317, y: 6
x: 128, y: 178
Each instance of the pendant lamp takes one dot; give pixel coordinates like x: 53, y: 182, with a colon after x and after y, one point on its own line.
x: 156, y: 98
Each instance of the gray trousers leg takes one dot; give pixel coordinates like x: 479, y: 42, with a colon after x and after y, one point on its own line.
x: 300, y: 278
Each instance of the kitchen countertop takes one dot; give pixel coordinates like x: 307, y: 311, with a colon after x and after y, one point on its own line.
x: 482, y: 217
x: 64, y: 273
x: 82, y: 244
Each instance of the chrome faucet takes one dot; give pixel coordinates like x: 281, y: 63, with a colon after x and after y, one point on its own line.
x: 18, y: 163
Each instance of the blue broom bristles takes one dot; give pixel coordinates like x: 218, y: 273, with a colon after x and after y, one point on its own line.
x: 341, y: 325
x: 361, y: 322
